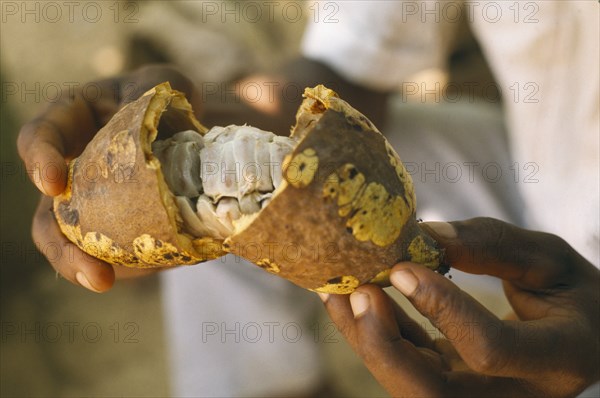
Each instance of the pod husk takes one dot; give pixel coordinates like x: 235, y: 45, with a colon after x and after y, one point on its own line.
x: 117, y: 205
x: 344, y: 214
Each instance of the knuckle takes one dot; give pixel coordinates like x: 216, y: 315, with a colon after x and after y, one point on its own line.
x: 560, y: 252
x: 37, y: 131
x: 557, y: 257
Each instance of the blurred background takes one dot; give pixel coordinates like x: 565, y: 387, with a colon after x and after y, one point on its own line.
x: 60, y: 340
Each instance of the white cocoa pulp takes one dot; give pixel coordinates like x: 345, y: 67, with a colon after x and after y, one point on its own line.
x: 220, y: 177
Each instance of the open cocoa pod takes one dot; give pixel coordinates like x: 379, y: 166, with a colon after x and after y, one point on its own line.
x: 336, y: 212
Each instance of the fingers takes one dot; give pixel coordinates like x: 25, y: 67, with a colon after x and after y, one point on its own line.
x: 487, y: 344
x: 367, y: 320
x: 65, y: 257
x: 339, y: 310
x: 410, y: 330
x: 403, y: 369
x: 41, y: 149
x: 59, y: 133
x: 531, y: 260
x: 470, y: 327
x: 63, y: 129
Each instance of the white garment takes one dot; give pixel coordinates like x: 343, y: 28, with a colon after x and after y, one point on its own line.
x: 544, y: 56
x: 236, y: 330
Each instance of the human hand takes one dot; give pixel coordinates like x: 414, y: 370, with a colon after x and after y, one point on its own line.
x: 552, y: 349
x: 58, y: 134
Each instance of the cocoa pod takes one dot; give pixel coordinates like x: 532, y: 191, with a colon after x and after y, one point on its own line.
x: 343, y: 214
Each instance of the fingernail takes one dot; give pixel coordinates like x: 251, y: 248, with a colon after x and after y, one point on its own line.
x: 443, y: 230
x: 83, y: 281
x: 359, y: 303
x: 405, y: 281
x: 324, y: 296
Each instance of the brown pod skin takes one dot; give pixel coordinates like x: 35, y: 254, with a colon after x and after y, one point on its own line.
x: 117, y: 206
x: 342, y: 217
x: 345, y: 213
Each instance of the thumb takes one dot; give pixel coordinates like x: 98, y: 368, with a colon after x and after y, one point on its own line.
x: 381, y: 334
x: 529, y: 259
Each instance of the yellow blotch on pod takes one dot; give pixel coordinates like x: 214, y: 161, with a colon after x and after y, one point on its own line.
x: 268, y: 265
x: 301, y: 169
x: 382, y: 278
x: 378, y: 216
x: 422, y: 253
x: 375, y: 214
x: 342, y: 285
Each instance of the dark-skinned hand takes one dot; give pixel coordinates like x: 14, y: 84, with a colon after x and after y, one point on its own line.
x: 551, y: 347
x: 58, y: 134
